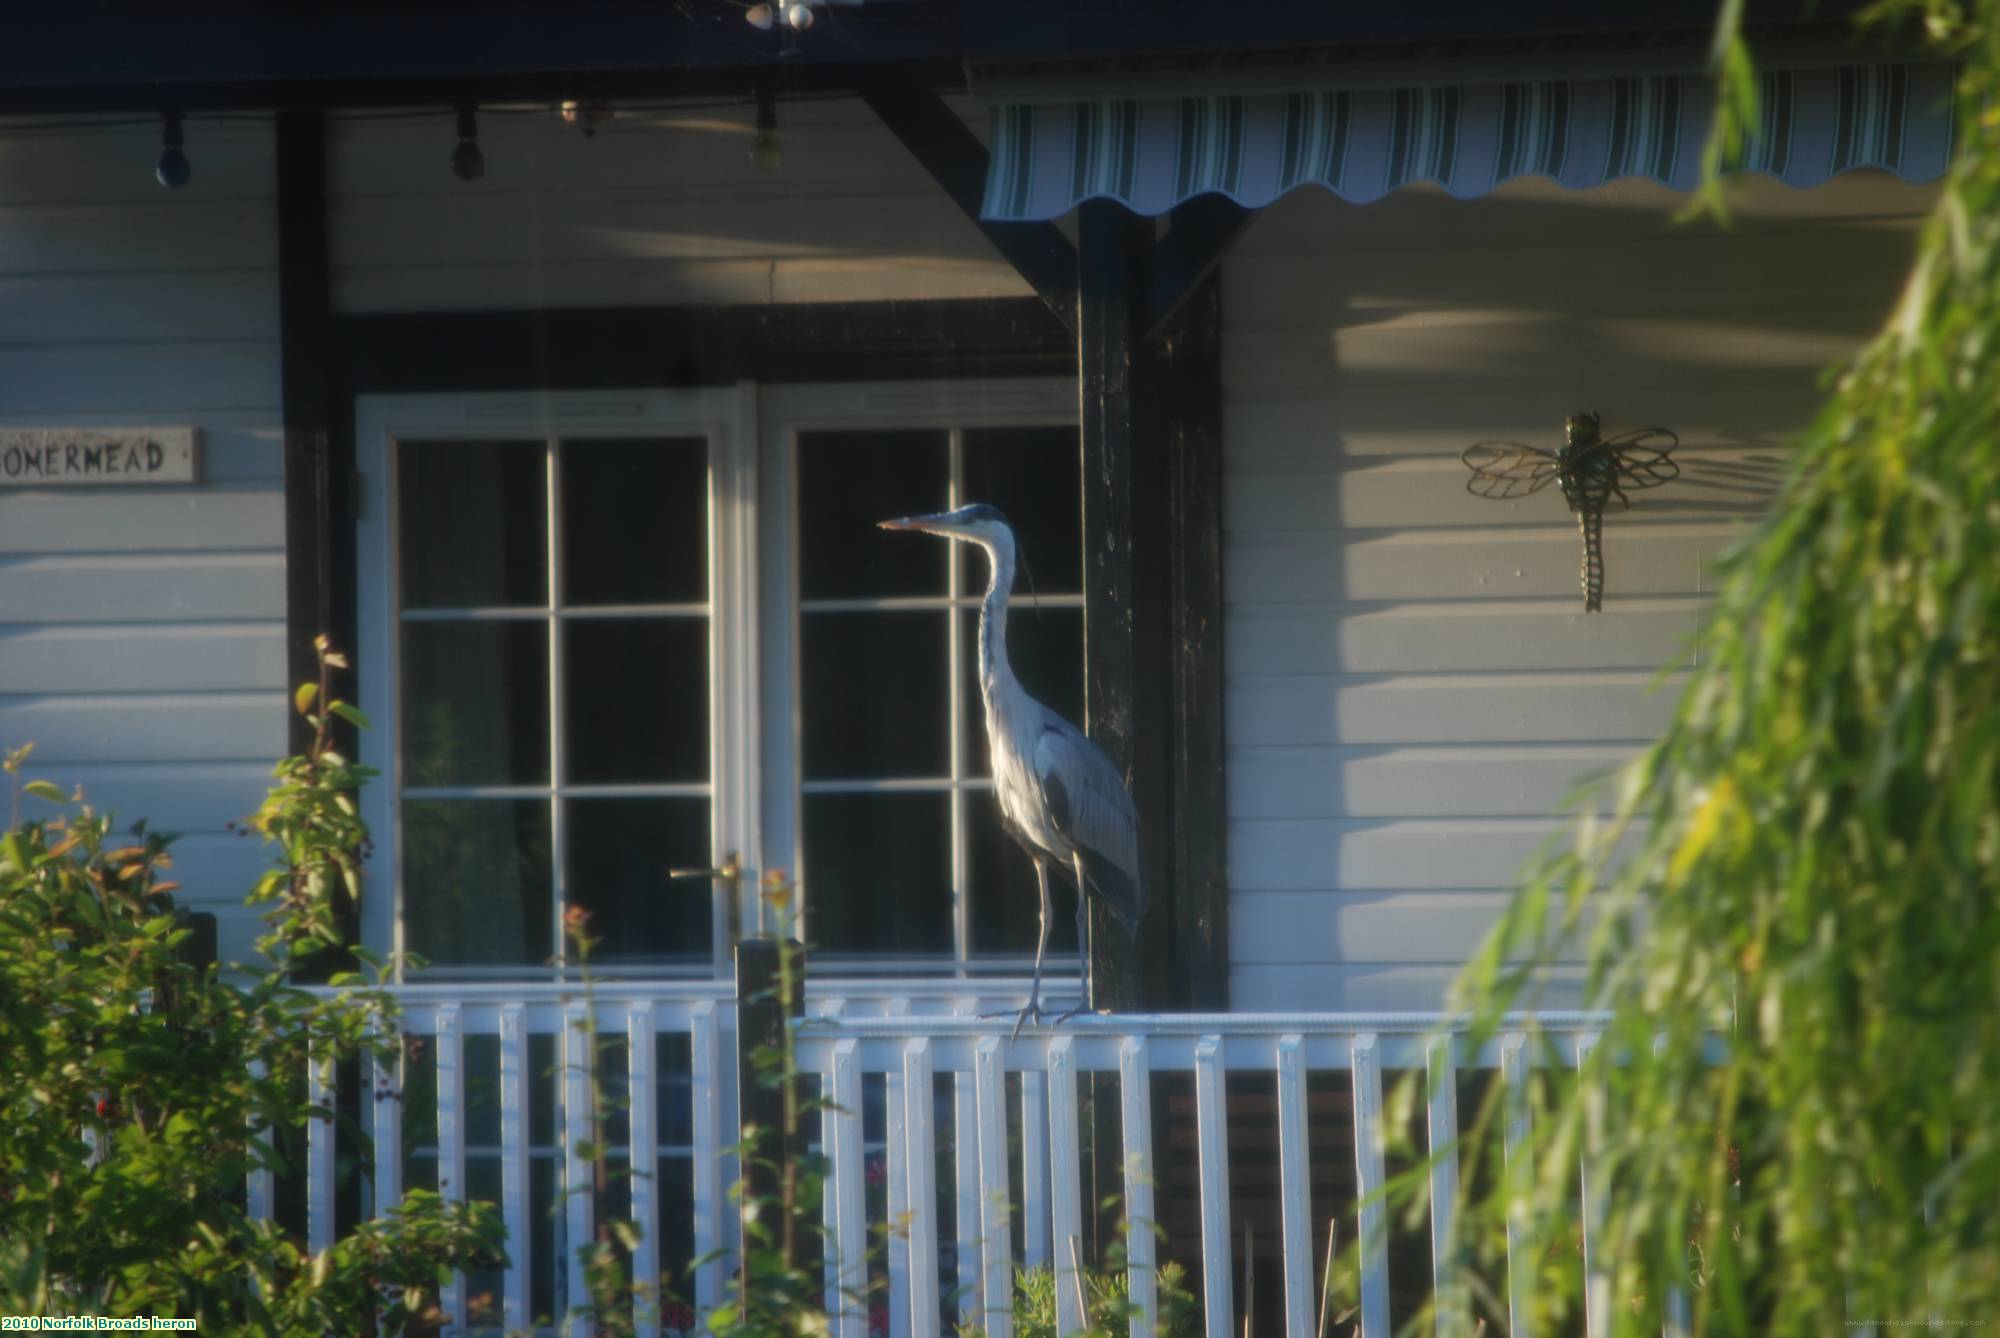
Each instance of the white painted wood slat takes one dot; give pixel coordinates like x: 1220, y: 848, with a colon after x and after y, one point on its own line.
x: 965, y: 1158
x: 579, y: 1188
x: 259, y: 1185
x: 642, y: 1119
x: 1135, y: 1084
x: 705, y: 1058
x: 385, y: 1107
x: 920, y: 1161
x: 1520, y: 1167
x: 515, y: 1300
x: 1294, y: 1186
x: 1212, y: 1133
x: 1034, y: 1170
x: 1065, y: 1187
x: 897, y: 1174
x: 1369, y: 1177
x: 1441, y: 1119
x: 996, y: 1245
x: 450, y: 1044
x: 848, y: 1189
x: 1596, y: 1277
x: 319, y: 1154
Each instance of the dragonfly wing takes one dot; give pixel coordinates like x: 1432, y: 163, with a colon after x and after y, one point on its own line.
x: 1503, y: 469
x: 1641, y: 457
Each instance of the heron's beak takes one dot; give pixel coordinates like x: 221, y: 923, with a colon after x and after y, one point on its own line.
x: 924, y: 524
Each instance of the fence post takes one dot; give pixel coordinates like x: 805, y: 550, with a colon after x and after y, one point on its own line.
x: 766, y: 1103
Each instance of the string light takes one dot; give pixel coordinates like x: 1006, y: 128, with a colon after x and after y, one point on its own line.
x: 586, y: 116
x: 467, y: 162
x: 761, y: 17
x: 174, y: 169
x: 800, y: 17
x: 766, y: 150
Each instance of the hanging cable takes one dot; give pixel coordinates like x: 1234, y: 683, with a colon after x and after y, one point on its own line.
x: 467, y: 162
x: 173, y: 169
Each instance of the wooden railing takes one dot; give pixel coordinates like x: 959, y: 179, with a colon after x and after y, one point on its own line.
x: 483, y: 1063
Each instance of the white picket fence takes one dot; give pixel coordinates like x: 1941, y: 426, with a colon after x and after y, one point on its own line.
x: 890, y: 1041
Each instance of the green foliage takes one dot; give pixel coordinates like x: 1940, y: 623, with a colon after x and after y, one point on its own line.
x: 1111, y: 1310
x: 129, y: 1095
x: 1810, y: 859
x: 310, y: 815
x: 778, y: 1291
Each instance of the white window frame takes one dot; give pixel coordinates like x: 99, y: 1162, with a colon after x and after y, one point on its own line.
x: 785, y: 413
x: 755, y: 777
x: 383, y: 421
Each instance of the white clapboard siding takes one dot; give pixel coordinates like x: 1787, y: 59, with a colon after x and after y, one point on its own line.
x: 1417, y: 854
x: 113, y: 588
x: 1319, y: 926
x: 658, y: 208
x: 1418, y: 781
x: 1412, y: 685
x: 1330, y: 638
x: 1285, y: 569
x: 175, y: 796
x: 146, y: 726
x: 1596, y: 707
x: 131, y: 657
x: 142, y: 628
x: 132, y: 520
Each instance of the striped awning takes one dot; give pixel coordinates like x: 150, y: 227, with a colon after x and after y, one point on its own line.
x: 1152, y: 154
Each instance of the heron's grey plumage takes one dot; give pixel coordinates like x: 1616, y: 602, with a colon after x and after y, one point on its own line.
x: 1090, y: 808
x: 1060, y: 796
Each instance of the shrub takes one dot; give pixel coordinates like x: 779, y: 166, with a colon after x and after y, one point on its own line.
x: 130, y: 1092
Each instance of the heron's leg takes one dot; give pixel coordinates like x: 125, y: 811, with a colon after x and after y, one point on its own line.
x: 1082, y: 941
x: 1034, y: 1008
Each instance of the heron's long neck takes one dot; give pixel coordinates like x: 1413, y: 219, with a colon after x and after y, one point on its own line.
x: 994, y: 670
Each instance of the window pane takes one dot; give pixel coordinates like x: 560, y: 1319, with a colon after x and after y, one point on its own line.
x: 475, y: 703
x: 849, y: 481
x: 472, y: 521
x: 874, y: 688
x: 1035, y: 476
x: 619, y: 854
x: 635, y: 521
x: 1046, y: 649
x: 635, y: 699
x: 476, y: 882
x: 878, y: 872
x: 1001, y: 881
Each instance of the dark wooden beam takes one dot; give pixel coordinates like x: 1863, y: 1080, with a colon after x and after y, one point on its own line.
x: 1189, y: 363
x: 620, y: 347
x: 305, y: 330
x: 1113, y: 245
x: 1199, y: 233
x: 957, y: 161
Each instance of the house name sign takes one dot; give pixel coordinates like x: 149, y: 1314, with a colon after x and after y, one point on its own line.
x: 63, y: 457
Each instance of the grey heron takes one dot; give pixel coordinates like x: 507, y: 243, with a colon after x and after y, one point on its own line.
x: 1060, y: 796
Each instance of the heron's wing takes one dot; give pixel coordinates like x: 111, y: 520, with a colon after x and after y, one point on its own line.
x: 1504, y: 469
x: 1641, y: 457
x: 1089, y: 806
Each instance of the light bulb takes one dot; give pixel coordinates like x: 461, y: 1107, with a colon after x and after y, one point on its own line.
x: 467, y: 162
x: 761, y: 16
x: 173, y: 169
x: 800, y: 17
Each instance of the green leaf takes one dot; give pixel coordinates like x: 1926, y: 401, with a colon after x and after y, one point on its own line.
x: 351, y: 714
x: 48, y: 790
x: 303, y: 699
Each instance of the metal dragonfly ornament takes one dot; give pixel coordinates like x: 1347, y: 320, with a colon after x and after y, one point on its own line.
x: 1592, y: 471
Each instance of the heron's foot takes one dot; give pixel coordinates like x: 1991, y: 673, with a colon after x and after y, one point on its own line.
x: 1069, y: 1013
x: 1030, y: 1012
